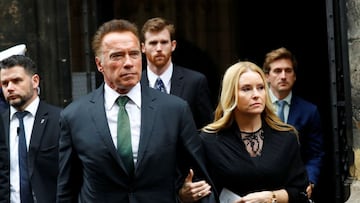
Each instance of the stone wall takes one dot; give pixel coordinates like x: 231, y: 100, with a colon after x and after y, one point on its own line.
x: 353, y: 11
x: 353, y: 15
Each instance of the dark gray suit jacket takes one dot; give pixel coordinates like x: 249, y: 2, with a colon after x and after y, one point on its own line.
x: 42, y: 155
x: 192, y: 86
x: 168, y: 138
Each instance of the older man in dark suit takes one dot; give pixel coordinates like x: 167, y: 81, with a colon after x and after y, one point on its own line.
x: 30, y: 143
x: 124, y: 140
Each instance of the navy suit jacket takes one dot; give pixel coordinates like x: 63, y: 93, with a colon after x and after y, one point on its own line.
x: 192, y: 86
x: 4, y: 105
x: 168, y: 142
x: 42, y: 155
x: 304, y: 116
x: 4, y: 165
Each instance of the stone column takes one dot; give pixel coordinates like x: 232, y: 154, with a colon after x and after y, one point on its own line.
x: 353, y: 15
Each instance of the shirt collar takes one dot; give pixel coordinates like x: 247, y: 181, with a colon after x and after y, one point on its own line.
x: 274, y: 99
x: 110, y: 96
x: 165, y: 77
x: 31, y: 108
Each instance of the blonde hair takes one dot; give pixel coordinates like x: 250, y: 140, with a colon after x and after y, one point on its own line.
x: 224, y: 113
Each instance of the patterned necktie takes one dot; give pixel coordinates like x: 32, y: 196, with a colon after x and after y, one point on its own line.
x: 25, y: 186
x: 124, y: 135
x: 159, y: 85
x: 281, y: 105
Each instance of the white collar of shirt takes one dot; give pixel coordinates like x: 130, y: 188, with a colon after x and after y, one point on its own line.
x: 110, y: 96
x: 32, y: 108
x: 274, y: 99
x: 165, y: 77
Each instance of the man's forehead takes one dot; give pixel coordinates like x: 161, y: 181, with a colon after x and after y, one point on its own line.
x: 120, y: 44
x: 120, y: 37
x: 12, y: 73
x: 157, y: 34
x: 282, y: 67
x: 15, y: 69
x: 281, y: 64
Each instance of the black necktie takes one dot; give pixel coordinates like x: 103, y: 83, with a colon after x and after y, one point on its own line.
x: 124, y: 135
x: 159, y: 85
x: 25, y: 187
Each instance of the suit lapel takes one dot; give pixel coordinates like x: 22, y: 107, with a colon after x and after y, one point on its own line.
x: 177, y: 82
x: 98, y: 116
x: 99, y: 119
x: 37, y: 133
x: 293, y: 111
x: 144, y: 79
x: 147, y: 121
x: 6, y: 122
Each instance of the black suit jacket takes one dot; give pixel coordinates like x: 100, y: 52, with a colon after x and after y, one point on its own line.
x: 168, y: 138
x: 192, y: 86
x: 4, y: 165
x: 42, y: 155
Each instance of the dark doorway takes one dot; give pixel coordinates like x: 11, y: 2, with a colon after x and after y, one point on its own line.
x: 302, y: 28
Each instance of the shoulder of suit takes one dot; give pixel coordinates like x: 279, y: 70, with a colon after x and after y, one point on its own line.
x: 289, y: 135
x: 84, y: 100
x: 49, y: 107
x: 303, y: 103
x: 188, y: 71
x: 167, y: 98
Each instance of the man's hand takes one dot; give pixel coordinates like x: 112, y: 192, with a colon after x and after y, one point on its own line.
x: 309, y: 190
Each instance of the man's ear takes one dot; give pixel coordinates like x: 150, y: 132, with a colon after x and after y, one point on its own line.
x: 35, y: 80
x: 98, y: 64
x: 143, y: 47
x: 173, y: 45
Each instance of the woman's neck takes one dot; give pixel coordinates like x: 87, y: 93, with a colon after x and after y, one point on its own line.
x: 248, y: 123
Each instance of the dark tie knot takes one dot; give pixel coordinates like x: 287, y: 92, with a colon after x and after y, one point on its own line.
x: 122, y: 100
x: 21, y: 114
x: 158, y: 80
x: 159, y: 85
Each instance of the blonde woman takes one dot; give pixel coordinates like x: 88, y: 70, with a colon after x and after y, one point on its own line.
x: 250, y: 151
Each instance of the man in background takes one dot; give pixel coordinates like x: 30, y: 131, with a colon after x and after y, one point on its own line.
x: 15, y: 50
x: 280, y: 69
x: 29, y: 173
x: 160, y: 73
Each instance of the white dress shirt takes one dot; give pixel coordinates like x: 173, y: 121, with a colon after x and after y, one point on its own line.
x: 13, y: 142
x: 165, y: 77
x: 274, y: 100
x: 133, y: 107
